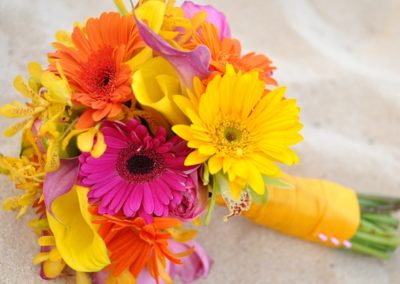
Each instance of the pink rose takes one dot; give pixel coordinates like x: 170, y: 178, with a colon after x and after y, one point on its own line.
x: 192, y: 202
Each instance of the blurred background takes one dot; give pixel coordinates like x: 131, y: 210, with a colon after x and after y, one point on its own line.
x: 340, y: 59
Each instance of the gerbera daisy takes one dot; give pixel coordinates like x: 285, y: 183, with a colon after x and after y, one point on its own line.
x: 133, y: 245
x: 138, y: 173
x: 96, y: 66
x: 239, y: 129
x: 228, y: 51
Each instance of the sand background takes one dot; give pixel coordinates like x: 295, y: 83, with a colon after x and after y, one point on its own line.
x: 339, y: 58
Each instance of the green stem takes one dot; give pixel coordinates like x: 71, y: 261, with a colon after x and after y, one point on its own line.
x: 211, y: 204
x: 377, y: 239
x: 380, y: 218
x: 358, y: 247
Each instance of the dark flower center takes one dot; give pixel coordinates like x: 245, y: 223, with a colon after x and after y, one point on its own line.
x: 137, y: 165
x: 140, y: 165
x: 99, y: 74
x: 232, y: 134
x: 106, y: 79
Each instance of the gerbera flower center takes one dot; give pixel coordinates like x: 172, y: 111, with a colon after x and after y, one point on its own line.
x: 140, y: 164
x: 137, y: 165
x: 232, y: 134
x: 99, y: 74
x: 232, y: 138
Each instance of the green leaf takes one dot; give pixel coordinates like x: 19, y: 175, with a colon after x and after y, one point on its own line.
x: 205, y: 175
x: 215, y: 190
x: 259, y: 199
x: 71, y: 150
x: 277, y: 182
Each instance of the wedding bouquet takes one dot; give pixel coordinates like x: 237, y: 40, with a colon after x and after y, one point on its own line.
x: 142, y: 121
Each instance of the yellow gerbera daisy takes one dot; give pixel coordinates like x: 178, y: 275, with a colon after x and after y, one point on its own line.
x: 240, y: 129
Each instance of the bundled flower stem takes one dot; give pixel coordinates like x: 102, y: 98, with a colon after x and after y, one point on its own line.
x: 332, y: 215
x: 377, y: 235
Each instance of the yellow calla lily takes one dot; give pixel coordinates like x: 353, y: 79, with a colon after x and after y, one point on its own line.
x: 152, y: 12
x: 154, y: 85
x: 77, y: 240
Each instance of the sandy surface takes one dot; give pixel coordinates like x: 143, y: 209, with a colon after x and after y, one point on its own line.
x: 339, y: 58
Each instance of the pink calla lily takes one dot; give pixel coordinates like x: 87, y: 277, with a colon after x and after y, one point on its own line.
x: 188, y: 64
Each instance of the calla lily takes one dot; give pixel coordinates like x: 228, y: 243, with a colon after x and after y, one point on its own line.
x: 152, y: 12
x: 155, y: 83
x: 195, y: 266
x: 76, y: 238
x: 188, y: 64
x: 214, y: 16
x: 60, y: 182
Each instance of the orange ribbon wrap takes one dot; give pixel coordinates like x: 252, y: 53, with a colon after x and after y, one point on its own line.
x: 315, y: 210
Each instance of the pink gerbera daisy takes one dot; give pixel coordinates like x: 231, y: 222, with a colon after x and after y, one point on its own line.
x: 138, y: 174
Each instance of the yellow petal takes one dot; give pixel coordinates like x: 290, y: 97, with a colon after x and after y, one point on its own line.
x: 152, y: 12
x: 183, y: 131
x: 21, y: 87
x: 85, y: 140
x: 13, y: 129
x: 46, y: 241
x: 53, y: 269
x: 64, y: 37
x: 70, y: 135
x: 77, y: 240
x: 215, y: 164
x: 82, y: 278
x: 52, y: 156
x: 100, y: 147
x: 143, y: 56
x: 54, y: 255
x: 121, y: 7
x: 58, y: 89
x: 154, y: 85
x: 240, y: 168
x: 35, y: 70
x: 255, y: 180
x: 195, y: 158
x: 40, y: 257
x: 17, y: 109
x: 208, y: 150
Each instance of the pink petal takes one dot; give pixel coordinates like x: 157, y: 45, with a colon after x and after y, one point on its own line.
x: 108, y: 197
x: 148, y: 202
x: 115, y: 142
x: 61, y: 181
x: 163, y: 192
x: 117, y: 201
x: 158, y: 206
x: 136, y: 198
x: 165, y: 187
x: 195, y: 266
x: 188, y: 64
x: 114, y: 132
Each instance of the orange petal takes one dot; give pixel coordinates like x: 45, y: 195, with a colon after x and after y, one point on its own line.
x: 86, y: 120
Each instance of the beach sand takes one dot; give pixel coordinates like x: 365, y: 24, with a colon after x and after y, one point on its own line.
x: 340, y: 59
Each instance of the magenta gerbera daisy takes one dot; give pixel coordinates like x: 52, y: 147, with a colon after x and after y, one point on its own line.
x: 139, y: 174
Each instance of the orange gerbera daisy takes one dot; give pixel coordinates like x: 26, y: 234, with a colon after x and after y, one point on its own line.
x: 96, y: 67
x: 133, y: 244
x: 228, y: 51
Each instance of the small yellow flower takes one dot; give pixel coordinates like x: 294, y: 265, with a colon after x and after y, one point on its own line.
x: 50, y: 95
x: 28, y: 177
x: 240, y: 129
